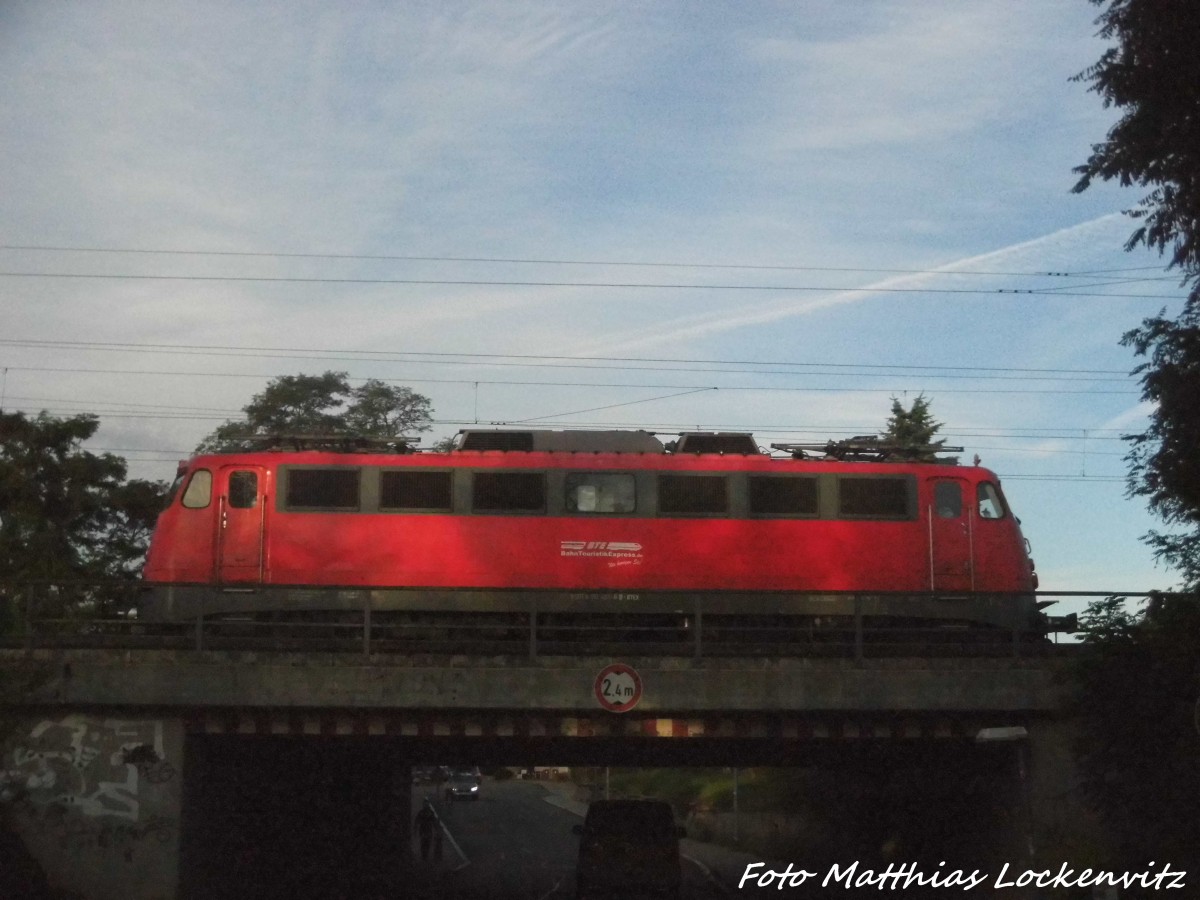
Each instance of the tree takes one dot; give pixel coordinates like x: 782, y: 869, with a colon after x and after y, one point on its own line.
x: 913, y: 429
x: 382, y: 410
x: 1138, y: 689
x: 324, y: 405
x: 68, y: 516
x: 1136, y: 705
x: 1152, y: 74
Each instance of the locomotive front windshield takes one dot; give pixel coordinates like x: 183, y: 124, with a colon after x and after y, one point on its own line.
x: 199, y: 490
x: 173, y: 490
x: 991, y: 501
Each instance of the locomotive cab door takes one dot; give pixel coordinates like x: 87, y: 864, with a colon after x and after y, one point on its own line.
x: 240, y: 525
x: 951, y: 551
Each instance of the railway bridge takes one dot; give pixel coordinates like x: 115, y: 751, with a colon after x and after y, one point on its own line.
x: 120, y: 764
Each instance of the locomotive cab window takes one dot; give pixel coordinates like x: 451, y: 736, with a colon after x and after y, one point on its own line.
x: 199, y: 490
x: 318, y: 489
x: 874, y: 497
x: 243, y: 489
x: 991, y: 502
x: 692, y: 495
x: 511, y: 492
x: 948, y: 499
x: 775, y: 495
x: 599, y: 492
x: 416, y: 490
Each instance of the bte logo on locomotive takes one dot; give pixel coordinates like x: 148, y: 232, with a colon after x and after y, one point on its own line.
x: 623, y: 550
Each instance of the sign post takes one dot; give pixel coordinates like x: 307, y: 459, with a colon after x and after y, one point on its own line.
x: 618, y: 688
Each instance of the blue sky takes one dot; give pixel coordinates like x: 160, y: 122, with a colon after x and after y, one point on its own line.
x: 815, y: 206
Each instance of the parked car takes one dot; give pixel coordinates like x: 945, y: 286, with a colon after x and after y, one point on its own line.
x: 626, y: 847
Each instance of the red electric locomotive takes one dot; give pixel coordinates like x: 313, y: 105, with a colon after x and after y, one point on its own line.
x: 591, y: 523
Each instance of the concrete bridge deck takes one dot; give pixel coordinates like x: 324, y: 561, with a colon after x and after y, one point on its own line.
x: 111, y: 759
x: 163, y: 679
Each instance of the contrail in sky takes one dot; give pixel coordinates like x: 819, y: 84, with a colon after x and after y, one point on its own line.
x: 690, y: 327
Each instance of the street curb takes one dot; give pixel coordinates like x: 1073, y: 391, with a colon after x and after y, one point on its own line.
x: 463, y: 861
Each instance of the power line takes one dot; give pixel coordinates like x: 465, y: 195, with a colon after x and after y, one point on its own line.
x: 421, y: 379
x: 495, y: 382
x: 622, y: 362
x: 1110, y: 479
x: 556, y: 262
x: 611, y: 406
x: 597, y: 285
x: 1023, y: 433
x: 1032, y: 434
x: 122, y: 403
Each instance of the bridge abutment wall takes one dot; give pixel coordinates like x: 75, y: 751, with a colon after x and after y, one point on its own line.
x: 97, y: 800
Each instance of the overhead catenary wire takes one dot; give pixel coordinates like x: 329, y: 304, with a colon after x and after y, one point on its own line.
x: 362, y: 257
x: 760, y: 429
x: 593, y: 285
x: 1022, y: 433
x: 425, y: 379
x: 624, y: 363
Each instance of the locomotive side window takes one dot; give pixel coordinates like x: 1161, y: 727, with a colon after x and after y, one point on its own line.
x: 243, y: 490
x: 322, y: 488
x: 597, y: 492
x: 508, y: 492
x: 875, y: 498
x: 410, y: 489
x: 991, y: 504
x: 691, y: 495
x: 948, y: 499
x: 773, y: 495
x: 199, y: 490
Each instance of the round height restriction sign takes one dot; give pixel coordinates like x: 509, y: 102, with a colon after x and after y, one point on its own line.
x: 618, y: 687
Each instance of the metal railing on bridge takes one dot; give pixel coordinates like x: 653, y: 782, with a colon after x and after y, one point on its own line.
x: 103, y: 615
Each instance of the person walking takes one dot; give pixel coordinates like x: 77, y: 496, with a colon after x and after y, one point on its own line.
x: 427, y: 823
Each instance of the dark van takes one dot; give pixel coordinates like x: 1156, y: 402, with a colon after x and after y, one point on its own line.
x: 628, y: 847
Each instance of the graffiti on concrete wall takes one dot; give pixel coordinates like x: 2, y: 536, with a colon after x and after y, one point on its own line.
x: 96, y: 767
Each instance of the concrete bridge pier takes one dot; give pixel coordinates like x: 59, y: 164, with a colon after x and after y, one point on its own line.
x: 97, y: 801
x: 129, y: 808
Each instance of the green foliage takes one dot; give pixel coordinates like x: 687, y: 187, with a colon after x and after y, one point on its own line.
x: 67, y: 515
x: 682, y: 788
x: 1139, y: 688
x: 913, y: 429
x: 1136, y: 703
x: 1165, y: 459
x: 325, y: 405
x: 55, y: 498
x: 1152, y: 74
